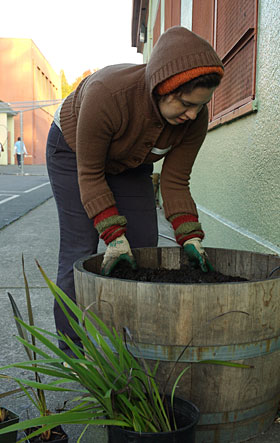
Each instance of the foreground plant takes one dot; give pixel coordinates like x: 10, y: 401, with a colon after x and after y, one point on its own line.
x: 36, y: 396
x: 112, y: 387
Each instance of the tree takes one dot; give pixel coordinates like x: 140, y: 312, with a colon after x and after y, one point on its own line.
x: 79, y: 79
x: 65, y: 87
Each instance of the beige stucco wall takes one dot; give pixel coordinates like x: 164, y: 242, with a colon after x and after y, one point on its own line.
x: 236, y: 177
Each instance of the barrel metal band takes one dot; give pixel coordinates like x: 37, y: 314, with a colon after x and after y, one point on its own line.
x: 239, y: 415
x: 193, y: 354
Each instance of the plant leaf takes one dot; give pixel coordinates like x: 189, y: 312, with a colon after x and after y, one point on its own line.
x: 21, y: 331
x: 68, y: 417
x: 226, y: 363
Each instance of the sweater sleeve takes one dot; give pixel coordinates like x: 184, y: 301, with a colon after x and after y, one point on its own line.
x: 177, y: 167
x: 109, y: 224
x: 98, y: 120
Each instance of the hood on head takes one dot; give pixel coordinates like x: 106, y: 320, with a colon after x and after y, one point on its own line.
x: 178, y: 50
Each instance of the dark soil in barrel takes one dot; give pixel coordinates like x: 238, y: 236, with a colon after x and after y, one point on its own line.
x: 184, y: 275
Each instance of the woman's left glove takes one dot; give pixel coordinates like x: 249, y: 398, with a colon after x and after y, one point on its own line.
x: 117, y: 250
x: 196, y: 255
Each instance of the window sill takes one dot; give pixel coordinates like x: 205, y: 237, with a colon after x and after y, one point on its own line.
x: 248, y: 108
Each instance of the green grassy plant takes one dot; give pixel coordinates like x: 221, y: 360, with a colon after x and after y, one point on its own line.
x: 110, y: 386
x: 36, y: 396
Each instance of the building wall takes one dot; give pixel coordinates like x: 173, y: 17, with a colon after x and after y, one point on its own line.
x: 186, y: 13
x: 6, y: 138
x: 25, y: 75
x: 235, y: 181
x: 3, y: 138
x: 236, y: 177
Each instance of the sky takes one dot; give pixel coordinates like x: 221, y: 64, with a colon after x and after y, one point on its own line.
x: 73, y: 36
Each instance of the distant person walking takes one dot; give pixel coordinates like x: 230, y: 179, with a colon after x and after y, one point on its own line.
x: 20, y: 151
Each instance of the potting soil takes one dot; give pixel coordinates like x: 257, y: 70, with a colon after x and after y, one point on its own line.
x: 186, y: 275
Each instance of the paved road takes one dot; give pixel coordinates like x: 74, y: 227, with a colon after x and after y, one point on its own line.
x: 21, y: 193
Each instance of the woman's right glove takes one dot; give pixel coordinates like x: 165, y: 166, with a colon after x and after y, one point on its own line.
x: 196, y: 255
x: 111, y: 227
x: 117, y: 250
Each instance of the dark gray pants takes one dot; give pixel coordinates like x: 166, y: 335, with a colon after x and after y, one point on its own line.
x: 134, y: 195
x: 19, y: 159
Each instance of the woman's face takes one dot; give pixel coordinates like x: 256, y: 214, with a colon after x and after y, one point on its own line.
x: 177, y: 109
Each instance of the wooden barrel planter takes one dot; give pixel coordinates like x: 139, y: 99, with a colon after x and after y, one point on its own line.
x: 235, y: 404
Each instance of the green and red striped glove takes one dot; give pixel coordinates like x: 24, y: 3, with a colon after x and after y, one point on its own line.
x: 112, y: 227
x: 188, y: 233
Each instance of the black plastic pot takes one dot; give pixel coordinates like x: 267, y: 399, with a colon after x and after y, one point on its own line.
x: 58, y: 436
x: 10, y: 437
x: 186, y: 415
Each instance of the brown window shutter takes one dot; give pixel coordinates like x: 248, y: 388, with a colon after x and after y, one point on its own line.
x: 231, y: 27
x: 234, y: 18
x: 237, y: 85
x: 156, y: 29
x: 235, y: 44
x: 172, y: 12
x: 203, y: 19
x: 203, y: 25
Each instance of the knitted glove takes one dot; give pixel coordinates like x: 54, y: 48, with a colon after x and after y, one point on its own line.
x: 110, y: 224
x: 117, y: 250
x: 186, y: 226
x: 196, y: 255
x: 111, y: 227
x: 189, y: 234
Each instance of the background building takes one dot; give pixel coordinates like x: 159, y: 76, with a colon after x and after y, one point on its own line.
x: 27, y: 78
x: 235, y: 180
x: 7, y: 115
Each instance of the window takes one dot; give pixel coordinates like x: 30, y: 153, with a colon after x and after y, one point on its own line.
x: 172, y: 13
x: 156, y: 29
x: 231, y: 28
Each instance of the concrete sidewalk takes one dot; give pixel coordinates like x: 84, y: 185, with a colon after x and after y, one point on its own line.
x: 27, y: 170
x: 36, y: 236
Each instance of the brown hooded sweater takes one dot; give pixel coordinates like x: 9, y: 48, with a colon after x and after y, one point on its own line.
x: 112, y: 121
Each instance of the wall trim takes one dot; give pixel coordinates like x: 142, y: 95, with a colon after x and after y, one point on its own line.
x: 234, y: 114
x: 240, y: 230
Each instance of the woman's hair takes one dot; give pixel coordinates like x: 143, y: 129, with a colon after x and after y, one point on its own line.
x: 203, y: 81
